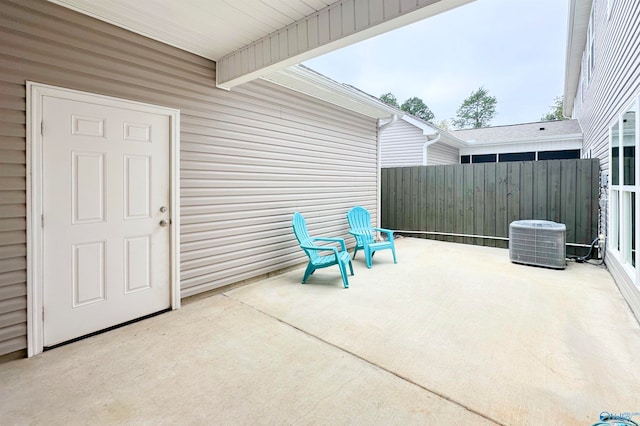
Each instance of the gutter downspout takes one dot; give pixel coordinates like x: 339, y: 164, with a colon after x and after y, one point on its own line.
x: 381, y: 127
x: 426, y: 144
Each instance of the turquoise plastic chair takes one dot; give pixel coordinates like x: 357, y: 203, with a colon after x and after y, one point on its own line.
x: 360, y: 222
x: 339, y: 256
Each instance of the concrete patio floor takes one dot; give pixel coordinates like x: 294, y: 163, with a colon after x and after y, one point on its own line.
x: 452, y: 333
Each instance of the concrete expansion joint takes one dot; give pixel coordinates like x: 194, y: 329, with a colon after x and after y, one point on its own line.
x: 373, y: 364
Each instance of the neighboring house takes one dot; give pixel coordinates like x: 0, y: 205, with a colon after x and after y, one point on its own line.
x: 129, y: 117
x: 602, y: 91
x: 546, y: 140
x: 413, y: 142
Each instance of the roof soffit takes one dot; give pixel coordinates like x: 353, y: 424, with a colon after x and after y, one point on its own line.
x: 578, y: 22
x: 252, y: 38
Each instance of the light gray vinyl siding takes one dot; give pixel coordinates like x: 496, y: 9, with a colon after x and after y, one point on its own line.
x: 614, y: 84
x: 439, y: 153
x: 401, y: 145
x: 242, y: 181
x: 616, y: 77
x: 249, y: 157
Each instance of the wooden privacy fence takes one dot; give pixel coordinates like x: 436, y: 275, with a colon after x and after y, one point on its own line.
x: 483, y: 199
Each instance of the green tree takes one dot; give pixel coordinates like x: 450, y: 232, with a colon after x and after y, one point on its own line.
x: 416, y: 107
x: 476, y: 111
x: 555, y: 113
x: 443, y: 124
x: 389, y: 99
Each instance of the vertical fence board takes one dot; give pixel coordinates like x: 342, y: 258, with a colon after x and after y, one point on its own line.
x: 595, y: 195
x: 553, y: 193
x: 583, y: 202
x: 489, y: 225
x: 440, y: 200
x: 406, y: 198
x: 513, y: 192
x: 459, y: 201
x: 415, y: 197
x: 449, y: 201
x: 422, y: 205
x: 502, y: 223
x: 540, y: 175
x: 478, y: 203
x: 526, y: 190
x: 393, y: 187
x: 468, y: 203
x: 483, y: 199
x: 568, y: 198
x: 431, y: 197
x: 385, y: 203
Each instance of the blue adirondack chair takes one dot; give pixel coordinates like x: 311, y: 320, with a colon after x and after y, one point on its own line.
x: 360, y: 222
x: 338, y: 256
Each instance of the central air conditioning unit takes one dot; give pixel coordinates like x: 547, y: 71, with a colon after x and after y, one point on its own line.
x: 538, y: 242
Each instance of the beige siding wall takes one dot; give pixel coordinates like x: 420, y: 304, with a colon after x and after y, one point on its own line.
x: 615, y: 82
x: 401, y: 145
x: 243, y: 178
x: 439, y: 153
x: 250, y: 157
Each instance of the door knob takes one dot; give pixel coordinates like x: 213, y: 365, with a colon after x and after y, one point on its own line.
x: 164, y: 223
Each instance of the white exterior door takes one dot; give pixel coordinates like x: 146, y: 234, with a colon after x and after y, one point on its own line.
x: 106, y: 216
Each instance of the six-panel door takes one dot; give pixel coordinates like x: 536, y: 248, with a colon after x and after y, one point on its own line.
x: 106, y: 194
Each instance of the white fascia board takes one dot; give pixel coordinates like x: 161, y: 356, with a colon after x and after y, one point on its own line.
x: 318, y: 86
x: 577, y: 25
x: 338, y: 25
x: 554, y: 138
x: 431, y: 130
x: 426, y: 128
x: 546, y: 144
x: 449, y: 139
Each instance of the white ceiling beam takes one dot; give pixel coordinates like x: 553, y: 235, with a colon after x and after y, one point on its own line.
x: 340, y: 24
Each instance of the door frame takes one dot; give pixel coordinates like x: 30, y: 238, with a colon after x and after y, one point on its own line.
x: 35, y: 279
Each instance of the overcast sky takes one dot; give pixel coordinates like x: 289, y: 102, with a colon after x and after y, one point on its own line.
x: 514, y: 48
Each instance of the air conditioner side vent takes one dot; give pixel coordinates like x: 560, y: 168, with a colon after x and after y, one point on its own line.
x: 538, y: 242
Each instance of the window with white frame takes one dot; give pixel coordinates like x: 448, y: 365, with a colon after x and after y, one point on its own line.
x: 624, y: 138
x: 590, y: 48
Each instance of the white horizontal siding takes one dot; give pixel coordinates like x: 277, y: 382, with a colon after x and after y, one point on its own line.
x: 249, y: 157
x: 401, y: 145
x: 439, y: 153
x: 616, y: 78
x: 615, y: 82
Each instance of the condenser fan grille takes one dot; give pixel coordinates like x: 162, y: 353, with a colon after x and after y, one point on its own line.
x: 538, y: 242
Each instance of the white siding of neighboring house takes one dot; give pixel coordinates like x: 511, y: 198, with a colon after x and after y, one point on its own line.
x: 440, y: 153
x: 250, y: 157
x: 615, y: 82
x: 401, y: 145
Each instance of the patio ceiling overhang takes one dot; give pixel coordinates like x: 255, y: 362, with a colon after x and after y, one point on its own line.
x: 249, y: 39
x: 579, y: 12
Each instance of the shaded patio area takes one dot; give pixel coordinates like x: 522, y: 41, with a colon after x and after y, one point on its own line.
x: 451, y: 333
